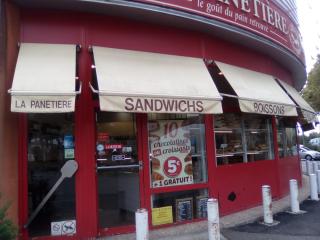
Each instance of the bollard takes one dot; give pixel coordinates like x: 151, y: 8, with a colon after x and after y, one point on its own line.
x: 142, y: 230
x: 267, y: 205
x: 295, y: 208
x: 309, y: 167
x: 318, y: 180
x: 315, y: 167
x: 213, y: 219
x: 313, y: 187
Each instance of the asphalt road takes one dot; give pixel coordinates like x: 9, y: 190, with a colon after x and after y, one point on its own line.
x: 291, y: 227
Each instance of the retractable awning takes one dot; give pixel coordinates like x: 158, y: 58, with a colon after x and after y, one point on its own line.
x: 133, y: 81
x: 44, y: 79
x: 257, y: 92
x: 307, y: 111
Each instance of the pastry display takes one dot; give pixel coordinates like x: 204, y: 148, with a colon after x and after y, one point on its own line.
x: 188, y: 169
x: 157, y: 176
x: 188, y: 158
x: 155, y: 163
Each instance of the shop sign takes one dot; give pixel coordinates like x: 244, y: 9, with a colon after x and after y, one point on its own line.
x: 67, y: 227
x: 102, y: 137
x: 170, y: 149
x: 113, y: 146
x: 42, y: 104
x: 267, y: 108
x: 264, y: 17
x: 162, y: 215
x: 159, y: 105
x: 118, y: 157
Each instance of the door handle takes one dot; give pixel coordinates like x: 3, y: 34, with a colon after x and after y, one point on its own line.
x: 140, y: 165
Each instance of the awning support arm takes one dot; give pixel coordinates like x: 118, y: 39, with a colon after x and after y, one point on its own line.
x: 93, y: 89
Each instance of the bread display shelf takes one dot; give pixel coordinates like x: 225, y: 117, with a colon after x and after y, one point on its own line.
x: 257, y: 152
x: 229, y: 154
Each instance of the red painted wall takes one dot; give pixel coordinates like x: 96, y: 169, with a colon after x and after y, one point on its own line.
x: 288, y: 168
x: 245, y: 180
x: 9, y: 20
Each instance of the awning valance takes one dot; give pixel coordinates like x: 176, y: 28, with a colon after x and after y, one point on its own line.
x: 307, y: 111
x: 44, y: 79
x: 133, y: 81
x: 257, y: 92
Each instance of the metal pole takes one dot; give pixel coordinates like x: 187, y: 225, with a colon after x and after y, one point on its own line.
x: 318, y: 180
x: 267, y: 204
x: 213, y: 219
x: 315, y: 167
x: 309, y: 167
x: 295, y: 208
x: 313, y: 187
x: 142, y: 230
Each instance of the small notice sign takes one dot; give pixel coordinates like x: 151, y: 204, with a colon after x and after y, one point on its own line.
x: 162, y: 215
x: 67, y: 227
x: 69, y: 153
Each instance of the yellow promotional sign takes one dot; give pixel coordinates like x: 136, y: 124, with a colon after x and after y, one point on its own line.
x: 162, y: 215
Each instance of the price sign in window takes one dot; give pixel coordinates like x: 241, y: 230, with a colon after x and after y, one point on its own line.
x: 177, y: 150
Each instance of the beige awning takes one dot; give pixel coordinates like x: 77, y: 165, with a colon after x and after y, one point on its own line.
x: 258, y: 92
x: 307, y: 111
x: 44, y: 79
x: 133, y: 81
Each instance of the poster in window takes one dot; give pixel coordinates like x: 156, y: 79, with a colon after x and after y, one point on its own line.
x: 170, y: 153
x: 162, y: 215
x: 201, y: 206
x: 184, y: 209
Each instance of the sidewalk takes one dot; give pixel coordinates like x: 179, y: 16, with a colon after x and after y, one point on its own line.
x: 198, y: 231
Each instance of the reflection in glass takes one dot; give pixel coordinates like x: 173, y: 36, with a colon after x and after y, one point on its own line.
x: 50, y: 145
x: 287, y: 138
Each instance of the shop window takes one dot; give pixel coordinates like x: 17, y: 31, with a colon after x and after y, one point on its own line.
x: 242, y: 138
x: 229, y: 139
x: 177, y: 149
x: 118, y: 169
x: 50, y: 145
x: 287, y: 139
x: 181, y: 206
x: 258, y: 136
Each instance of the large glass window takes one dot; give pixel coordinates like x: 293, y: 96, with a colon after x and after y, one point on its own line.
x: 258, y: 136
x: 229, y: 139
x: 50, y: 145
x: 118, y: 169
x: 177, y: 149
x: 242, y: 138
x: 287, y: 138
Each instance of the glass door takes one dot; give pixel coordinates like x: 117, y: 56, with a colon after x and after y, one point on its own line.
x: 118, y: 169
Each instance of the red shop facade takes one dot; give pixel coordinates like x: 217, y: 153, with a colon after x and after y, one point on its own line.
x: 156, y: 105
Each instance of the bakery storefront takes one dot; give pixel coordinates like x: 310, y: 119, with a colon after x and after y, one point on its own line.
x: 118, y: 113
